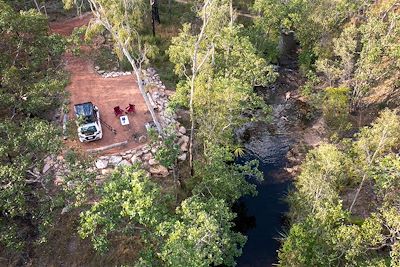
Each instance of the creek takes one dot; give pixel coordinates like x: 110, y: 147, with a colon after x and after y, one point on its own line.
x: 262, y: 218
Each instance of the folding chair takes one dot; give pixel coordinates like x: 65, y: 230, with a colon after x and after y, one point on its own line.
x: 118, y: 111
x: 130, y: 108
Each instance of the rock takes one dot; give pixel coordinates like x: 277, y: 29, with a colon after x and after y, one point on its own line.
x: 153, y: 162
x: 65, y: 210
x: 184, y: 147
x: 145, y: 149
x: 142, y: 139
x: 147, y: 156
x: 159, y: 170
x: 46, y: 167
x: 184, y: 139
x: 293, y: 170
x: 115, y: 159
x: 101, y: 164
x: 287, y: 95
x: 106, y: 171
x: 139, y: 153
x: 127, y: 156
x: 182, y: 130
x: 135, y: 159
x: 100, y: 72
x: 154, y: 150
x: 124, y: 163
x: 182, y: 157
x: 96, y: 67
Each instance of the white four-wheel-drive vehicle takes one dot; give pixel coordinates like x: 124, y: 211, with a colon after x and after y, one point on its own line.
x: 88, y: 120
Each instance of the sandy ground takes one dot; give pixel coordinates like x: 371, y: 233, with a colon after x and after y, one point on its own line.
x: 106, y: 93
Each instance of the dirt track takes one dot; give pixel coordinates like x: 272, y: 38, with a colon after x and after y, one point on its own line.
x: 86, y: 85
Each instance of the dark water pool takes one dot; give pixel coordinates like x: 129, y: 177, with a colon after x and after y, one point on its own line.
x: 261, y: 219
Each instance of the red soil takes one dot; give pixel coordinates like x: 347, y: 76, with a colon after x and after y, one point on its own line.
x: 106, y: 93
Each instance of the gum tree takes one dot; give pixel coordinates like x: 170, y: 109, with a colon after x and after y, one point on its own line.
x: 219, y: 67
x: 123, y: 19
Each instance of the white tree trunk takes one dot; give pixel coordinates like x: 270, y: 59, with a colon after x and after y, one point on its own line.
x: 142, y: 90
x: 136, y: 66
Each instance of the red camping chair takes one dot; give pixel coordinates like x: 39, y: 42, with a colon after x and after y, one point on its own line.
x: 130, y: 108
x: 118, y: 111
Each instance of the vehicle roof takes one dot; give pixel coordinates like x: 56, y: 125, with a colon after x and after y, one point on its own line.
x: 84, y: 109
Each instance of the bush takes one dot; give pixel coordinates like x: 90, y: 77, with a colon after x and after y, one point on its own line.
x: 335, y: 108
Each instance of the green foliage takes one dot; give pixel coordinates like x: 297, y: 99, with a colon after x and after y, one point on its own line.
x: 129, y: 201
x: 79, y: 180
x: 201, y: 236
x: 168, y: 153
x: 335, y: 108
x: 219, y: 179
x: 23, y: 189
x: 31, y: 87
x: 29, y: 84
x: 323, y: 231
x: 360, y: 53
x: 223, y: 86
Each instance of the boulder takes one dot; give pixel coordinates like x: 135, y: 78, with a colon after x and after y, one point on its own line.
x: 182, y: 130
x: 124, y: 163
x: 159, y: 170
x: 127, y: 156
x: 147, y: 156
x: 182, y: 157
x: 101, y: 164
x: 153, y: 162
x: 183, y: 139
x: 139, y: 153
x: 184, y: 147
x: 114, y: 160
x: 48, y: 163
x: 145, y: 149
x: 65, y: 210
x: 46, y: 167
x: 135, y: 159
x: 106, y: 171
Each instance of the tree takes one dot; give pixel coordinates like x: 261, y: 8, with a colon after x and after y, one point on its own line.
x: 373, y: 142
x: 123, y: 20
x: 326, y: 230
x: 335, y: 108
x: 129, y: 202
x: 219, y: 61
x: 201, y: 235
x: 214, y: 178
x: 30, y: 87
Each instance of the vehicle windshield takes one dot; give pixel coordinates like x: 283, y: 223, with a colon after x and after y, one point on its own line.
x: 88, y: 130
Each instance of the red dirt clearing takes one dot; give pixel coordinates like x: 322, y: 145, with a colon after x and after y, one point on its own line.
x: 106, y: 93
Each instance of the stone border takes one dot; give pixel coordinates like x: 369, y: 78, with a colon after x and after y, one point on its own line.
x: 145, y: 155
